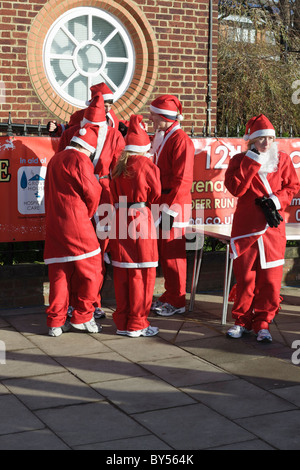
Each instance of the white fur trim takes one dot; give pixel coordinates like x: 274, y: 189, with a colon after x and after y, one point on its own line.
x: 138, y: 148
x: 254, y: 156
x: 108, y: 96
x: 168, y: 112
x: 276, y: 201
x: 86, y: 121
x: 260, y: 133
x: 83, y: 144
x: 145, y: 264
x: 65, y: 259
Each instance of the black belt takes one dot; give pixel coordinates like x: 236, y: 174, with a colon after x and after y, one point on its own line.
x: 127, y: 205
x: 166, y: 191
x: 102, y: 177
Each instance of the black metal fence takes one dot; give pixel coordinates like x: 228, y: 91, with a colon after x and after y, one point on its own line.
x: 9, y: 128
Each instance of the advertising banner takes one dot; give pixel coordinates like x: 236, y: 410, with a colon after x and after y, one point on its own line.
x: 23, y: 166
x: 212, y: 156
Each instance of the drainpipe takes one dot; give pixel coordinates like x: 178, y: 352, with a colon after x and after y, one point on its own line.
x: 209, y: 85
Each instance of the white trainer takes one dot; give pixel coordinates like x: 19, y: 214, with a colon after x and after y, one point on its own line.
x: 264, y: 336
x: 156, y: 304
x: 167, y: 310
x: 149, y: 331
x: 237, y: 331
x: 59, y: 330
x: 90, y: 326
x: 121, y: 332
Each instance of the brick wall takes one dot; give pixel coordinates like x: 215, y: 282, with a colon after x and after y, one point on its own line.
x: 181, y: 30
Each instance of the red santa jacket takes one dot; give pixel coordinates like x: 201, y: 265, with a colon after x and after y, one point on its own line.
x: 175, y: 160
x: 104, y: 163
x: 244, y: 181
x: 72, y: 195
x: 133, y: 237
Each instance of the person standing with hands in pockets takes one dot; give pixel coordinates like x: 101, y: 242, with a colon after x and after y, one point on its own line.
x: 264, y: 181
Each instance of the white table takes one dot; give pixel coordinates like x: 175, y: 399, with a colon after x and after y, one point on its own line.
x: 222, y: 233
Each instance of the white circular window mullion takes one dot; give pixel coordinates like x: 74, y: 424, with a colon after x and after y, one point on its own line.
x: 85, y: 46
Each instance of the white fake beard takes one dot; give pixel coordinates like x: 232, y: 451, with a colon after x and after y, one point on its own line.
x: 157, y: 141
x: 270, y: 160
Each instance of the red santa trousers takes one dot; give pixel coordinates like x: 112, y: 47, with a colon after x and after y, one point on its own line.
x: 257, y: 291
x: 172, y: 257
x: 134, y: 290
x: 80, y: 277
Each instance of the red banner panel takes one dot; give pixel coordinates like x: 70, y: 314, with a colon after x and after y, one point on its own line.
x: 212, y: 202
x: 23, y: 166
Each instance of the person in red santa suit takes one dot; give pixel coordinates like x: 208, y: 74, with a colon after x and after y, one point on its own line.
x: 174, y: 156
x: 56, y: 129
x: 135, y: 188
x: 264, y: 181
x: 72, y: 251
x: 109, y: 147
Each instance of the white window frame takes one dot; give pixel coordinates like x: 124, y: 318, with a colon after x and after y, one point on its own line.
x: 119, y: 28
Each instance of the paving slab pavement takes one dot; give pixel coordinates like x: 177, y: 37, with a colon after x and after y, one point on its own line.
x: 189, y: 388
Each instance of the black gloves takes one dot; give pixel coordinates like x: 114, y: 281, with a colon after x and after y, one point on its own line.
x: 272, y: 215
x: 166, y: 222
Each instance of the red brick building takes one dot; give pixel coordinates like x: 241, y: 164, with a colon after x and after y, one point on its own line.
x: 52, y: 51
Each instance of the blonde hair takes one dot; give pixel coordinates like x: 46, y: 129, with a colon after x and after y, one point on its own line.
x: 121, y: 165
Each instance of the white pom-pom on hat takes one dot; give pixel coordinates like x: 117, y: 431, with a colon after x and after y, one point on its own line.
x: 179, y: 117
x: 82, y: 131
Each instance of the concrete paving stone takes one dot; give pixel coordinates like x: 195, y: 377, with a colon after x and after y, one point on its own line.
x: 143, y: 348
x: 290, y: 332
x: 222, y: 349
x: 265, y: 372
x: 186, y: 370
x: 3, y: 323
x: 90, y: 423
x: 187, y: 331
x: 51, y: 390
x: 237, y: 399
x: 137, y: 394
x: 41, y: 439
x: 70, y: 344
x: 15, y: 417
x: 148, y: 442
x: 14, y: 340
x: 291, y: 394
x: 192, y: 427
x: 255, y: 444
x: 101, y: 367
x: 280, y: 430
x: 3, y: 389
x: 32, y: 323
x: 27, y: 363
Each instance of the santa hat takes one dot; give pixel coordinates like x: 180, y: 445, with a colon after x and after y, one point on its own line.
x: 103, y: 89
x: 167, y: 106
x: 87, y: 137
x: 259, y: 126
x: 76, y: 118
x: 95, y: 112
x: 137, y: 139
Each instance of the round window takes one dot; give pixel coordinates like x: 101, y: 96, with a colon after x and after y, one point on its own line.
x: 86, y: 46
x: 71, y: 49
